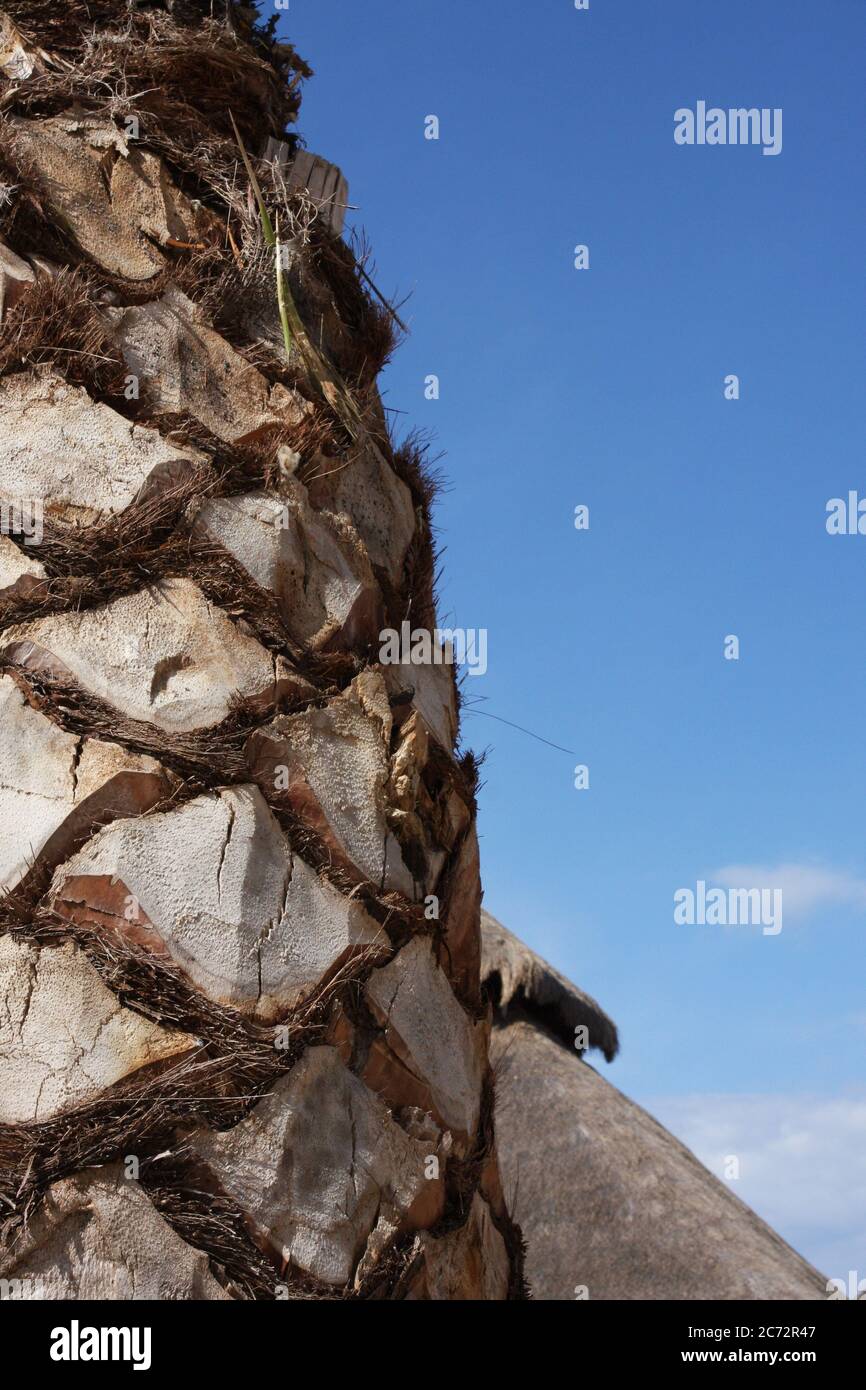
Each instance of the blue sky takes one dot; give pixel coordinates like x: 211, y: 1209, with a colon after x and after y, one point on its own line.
x: 707, y: 517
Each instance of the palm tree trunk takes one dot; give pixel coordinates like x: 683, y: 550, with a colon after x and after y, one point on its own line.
x: 243, y: 1046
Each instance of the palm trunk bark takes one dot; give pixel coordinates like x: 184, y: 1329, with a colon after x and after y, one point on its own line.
x: 243, y: 1045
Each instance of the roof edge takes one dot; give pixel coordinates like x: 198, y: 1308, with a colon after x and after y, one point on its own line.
x: 518, y: 980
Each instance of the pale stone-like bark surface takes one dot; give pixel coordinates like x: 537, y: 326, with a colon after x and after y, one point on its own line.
x: 432, y: 695
x: 64, y: 1037
x: 460, y: 918
x: 115, y: 200
x: 378, y: 504
x: 312, y: 562
x: 431, y: 1035
x: 80, y: 459
x: 97, y: 1236
x: 319, y: 1164
x: 216, y: 888
x: 20, y: 570
x: 242, y: 947
x: 164, y: 655
x: 15, y: 277
x: 56, y: 787
x: 333, y: 765
x: 17, y: 58
x: 185, y: 365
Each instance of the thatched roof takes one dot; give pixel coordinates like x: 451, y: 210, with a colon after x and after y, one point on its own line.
x: 520, y: 983
x: 608, y: 1200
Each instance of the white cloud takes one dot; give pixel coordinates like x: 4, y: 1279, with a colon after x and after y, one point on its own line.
x: 805, y: 887
x: 801, y: 1165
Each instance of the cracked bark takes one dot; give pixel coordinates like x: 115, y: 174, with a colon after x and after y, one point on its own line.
x: 154, y: 628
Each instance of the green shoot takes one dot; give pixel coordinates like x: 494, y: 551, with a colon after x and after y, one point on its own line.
x: 267, y: 228
x: 327, y: 381
x: 283, y: 292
